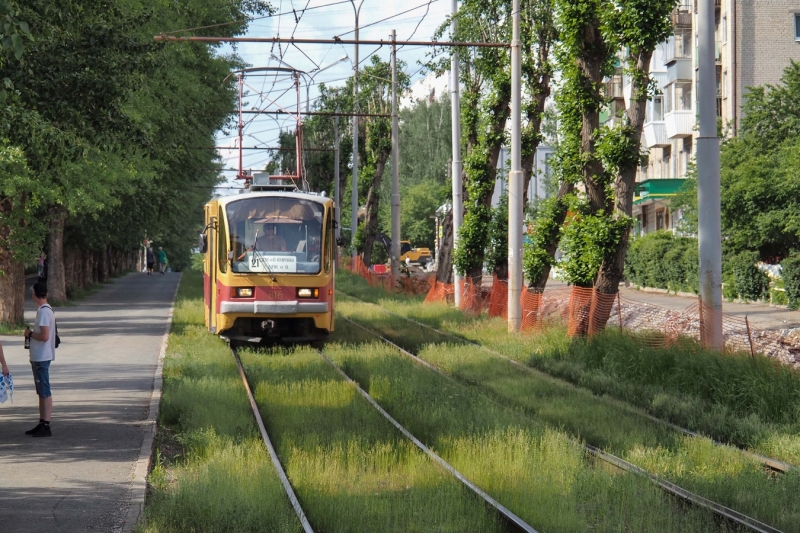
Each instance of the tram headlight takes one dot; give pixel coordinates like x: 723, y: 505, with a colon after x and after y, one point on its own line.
x: 241, y: 292
x: 308, y: 293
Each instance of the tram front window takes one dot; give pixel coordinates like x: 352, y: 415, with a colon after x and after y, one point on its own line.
x: 274, y: 234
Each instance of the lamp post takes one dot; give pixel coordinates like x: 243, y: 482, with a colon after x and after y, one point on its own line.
x: 354, y: 196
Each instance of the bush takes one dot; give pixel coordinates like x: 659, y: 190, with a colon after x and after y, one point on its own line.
x: 751, y: 282
x: 664, y: 261
x: 791, y: 279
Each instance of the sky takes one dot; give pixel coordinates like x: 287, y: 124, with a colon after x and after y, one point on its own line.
x: 319, y: 19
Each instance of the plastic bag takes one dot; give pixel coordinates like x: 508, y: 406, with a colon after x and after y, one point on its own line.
x: 6, y: 388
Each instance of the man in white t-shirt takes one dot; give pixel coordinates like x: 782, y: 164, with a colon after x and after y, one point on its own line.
x: 43, y: 351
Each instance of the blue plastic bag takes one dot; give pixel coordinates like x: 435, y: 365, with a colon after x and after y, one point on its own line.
x: 6, y: 388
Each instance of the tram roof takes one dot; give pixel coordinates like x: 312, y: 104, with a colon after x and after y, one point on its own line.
x: 225, y: 200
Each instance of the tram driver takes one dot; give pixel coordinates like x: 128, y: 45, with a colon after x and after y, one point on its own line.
x: 270, y: 241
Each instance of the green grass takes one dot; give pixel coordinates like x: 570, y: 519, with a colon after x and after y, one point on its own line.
x: 752, y: 403
x: 212, y: 471
x: 8, y: 328
x: 722, y: 474
x: 351, y: 469
x: 534, y: 470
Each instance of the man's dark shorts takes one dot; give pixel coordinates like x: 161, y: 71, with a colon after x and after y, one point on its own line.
x: 41, y: 376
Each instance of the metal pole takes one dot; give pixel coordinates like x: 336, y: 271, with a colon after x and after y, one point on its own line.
x: 395, y: 252
x: 708, y: 182
x: 241, y: 126
x: 354, y: 195
x: 337, y: 196
x: 455, y: 105
x: 515, y: 192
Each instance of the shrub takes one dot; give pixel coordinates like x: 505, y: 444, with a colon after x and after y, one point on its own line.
x: 791, y: 279
x: 664, y: 261
x: 751, y: 282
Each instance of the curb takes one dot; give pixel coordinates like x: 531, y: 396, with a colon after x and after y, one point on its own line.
x: 142, y: 468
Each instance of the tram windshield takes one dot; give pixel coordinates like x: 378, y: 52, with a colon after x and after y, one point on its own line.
x: 275, y: 234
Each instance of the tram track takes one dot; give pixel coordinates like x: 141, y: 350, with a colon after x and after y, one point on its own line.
x: 775, y: 465
x: 513, y: 523
x: 723, y: 512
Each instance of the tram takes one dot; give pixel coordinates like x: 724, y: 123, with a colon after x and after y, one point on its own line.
x: 268, y: 263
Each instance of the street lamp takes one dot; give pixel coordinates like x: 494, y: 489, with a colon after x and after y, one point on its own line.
x: 354, y: 206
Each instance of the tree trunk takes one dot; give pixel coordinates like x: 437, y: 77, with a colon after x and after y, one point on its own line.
x: 553, y: 240
x: 612, y: 268
x: 531, y: 138
x: 373, y: 203
x: 12, y: 288
x: 56, y: 280
x: 444, y: 262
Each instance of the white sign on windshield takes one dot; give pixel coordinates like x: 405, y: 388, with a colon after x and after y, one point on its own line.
x: 276, y: 263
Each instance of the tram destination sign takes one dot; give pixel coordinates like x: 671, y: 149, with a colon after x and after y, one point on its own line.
x: 276, y: 263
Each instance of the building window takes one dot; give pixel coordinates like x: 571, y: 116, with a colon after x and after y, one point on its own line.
x: 797, y: 27
x: 657, y: 108
x: 725, y: 29
x: 683, y: 96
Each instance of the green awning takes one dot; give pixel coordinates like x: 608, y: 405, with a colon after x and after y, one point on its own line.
x: 656, y: 189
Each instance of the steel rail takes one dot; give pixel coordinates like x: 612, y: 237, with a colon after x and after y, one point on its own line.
x: 509, y: 515
x: 170, y: 38
x: 671, y: 488
x: 771, y: 463
x: 287, y: 486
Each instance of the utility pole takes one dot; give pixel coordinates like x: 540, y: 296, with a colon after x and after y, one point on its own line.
x: 336, y: 193
x: 708, y: 183
x: 455, y: 108
x: 515, y: 192
x: 354, y: 196
x: 395, y: 251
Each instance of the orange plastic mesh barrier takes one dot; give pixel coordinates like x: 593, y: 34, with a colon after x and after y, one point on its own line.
x: 498, y: 298
x: 473, y: 298
x: 440, y: 292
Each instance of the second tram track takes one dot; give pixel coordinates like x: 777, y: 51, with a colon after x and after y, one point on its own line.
x: 770, y: 463
x: 722, y: 511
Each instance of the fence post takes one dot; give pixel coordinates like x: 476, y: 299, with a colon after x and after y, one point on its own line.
x: 749, y: 337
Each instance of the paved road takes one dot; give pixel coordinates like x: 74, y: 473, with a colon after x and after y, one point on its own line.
x: 80, y: 479
x: 761, y: 316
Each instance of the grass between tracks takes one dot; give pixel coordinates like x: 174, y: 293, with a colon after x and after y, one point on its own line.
x: 212, y: 471
x: 719, y: 473
x: 752, y: 403
x: 352, y: 470
x: 536, y: 471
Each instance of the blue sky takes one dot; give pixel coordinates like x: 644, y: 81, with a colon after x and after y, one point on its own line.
x: 325, y: 22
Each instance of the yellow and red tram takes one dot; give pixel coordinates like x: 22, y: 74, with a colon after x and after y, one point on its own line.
x: 268, y: 265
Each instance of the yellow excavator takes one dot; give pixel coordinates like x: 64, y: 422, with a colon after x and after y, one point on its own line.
x: 408, y: 254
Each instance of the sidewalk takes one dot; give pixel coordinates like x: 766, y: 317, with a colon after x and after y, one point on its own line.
x: 760, y: 316
x: 102, y: 378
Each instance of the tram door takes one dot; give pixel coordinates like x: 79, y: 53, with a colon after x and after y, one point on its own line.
x: 211, y: 254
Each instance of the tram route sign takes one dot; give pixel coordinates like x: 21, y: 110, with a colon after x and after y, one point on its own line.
x: 277, y: 263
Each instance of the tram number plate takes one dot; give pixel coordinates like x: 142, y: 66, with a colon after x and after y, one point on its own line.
x: 276, y: 263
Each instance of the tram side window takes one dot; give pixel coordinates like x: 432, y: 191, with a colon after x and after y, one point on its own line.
x: 328, y: 241
x: 222, y: 248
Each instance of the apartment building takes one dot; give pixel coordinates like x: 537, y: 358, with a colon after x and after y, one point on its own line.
x: 755, y: 41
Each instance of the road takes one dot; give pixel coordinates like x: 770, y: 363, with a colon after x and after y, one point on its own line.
x: 102, y: 379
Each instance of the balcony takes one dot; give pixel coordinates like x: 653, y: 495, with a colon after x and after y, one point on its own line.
x: 655, y: 134
x: 679, y: 69
x: 679, y: 124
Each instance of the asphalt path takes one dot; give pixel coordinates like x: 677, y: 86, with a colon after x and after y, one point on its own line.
x: 80, y: 479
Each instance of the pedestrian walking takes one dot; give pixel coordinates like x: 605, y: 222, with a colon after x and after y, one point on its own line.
x: 162, y: 260
x: 42, y: 352
x: 151, y: 260
x: 40, y: 265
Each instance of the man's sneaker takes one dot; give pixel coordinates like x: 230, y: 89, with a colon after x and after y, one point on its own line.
x: 34, y: 430
x: 43, y: 431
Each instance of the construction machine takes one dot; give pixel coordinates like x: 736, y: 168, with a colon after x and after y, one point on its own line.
x: 408, y: 253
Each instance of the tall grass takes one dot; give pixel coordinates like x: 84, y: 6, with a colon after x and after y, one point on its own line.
x: 212, y: 472
x: 722, y: 474
x: 752, y: 403
x: 535, y: 471
x: 352, y: 470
